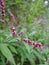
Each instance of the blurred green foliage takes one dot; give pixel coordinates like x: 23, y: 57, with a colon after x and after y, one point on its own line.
x: 26, y: 10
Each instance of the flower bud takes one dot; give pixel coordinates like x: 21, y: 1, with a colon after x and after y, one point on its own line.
x: 12, y: 28
x: 14, y: 33
x: 2, y: 4
x: 25, y: 40
x: 21, y: 33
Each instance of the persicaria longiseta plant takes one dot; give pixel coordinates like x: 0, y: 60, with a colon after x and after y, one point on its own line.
x: 24, y: 44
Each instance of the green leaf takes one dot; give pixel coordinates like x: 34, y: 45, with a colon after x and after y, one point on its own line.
x: 3, y: 60
x: 7, y: 53
x: 27, y: 47
x: 11, y: 39
x: 13, y: 49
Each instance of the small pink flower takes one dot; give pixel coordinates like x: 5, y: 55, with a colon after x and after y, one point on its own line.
x: 14, y: 33
x: 3, y: 11
x: 2, y: 4
x: 29, y: 41
x: 25, y: 40
x: 34, y: 44
x: 1, y: 1
x: 12, y: 28
x: 37, y: 44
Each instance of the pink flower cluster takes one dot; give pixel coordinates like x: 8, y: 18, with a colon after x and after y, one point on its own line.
x: 35, y: 44
x: 2, y: 7
x: 12, y: 16
x: 13, y: 31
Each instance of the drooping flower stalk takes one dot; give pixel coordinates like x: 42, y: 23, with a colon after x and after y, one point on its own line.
x: 11, y: 15
x: 35, y: 44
